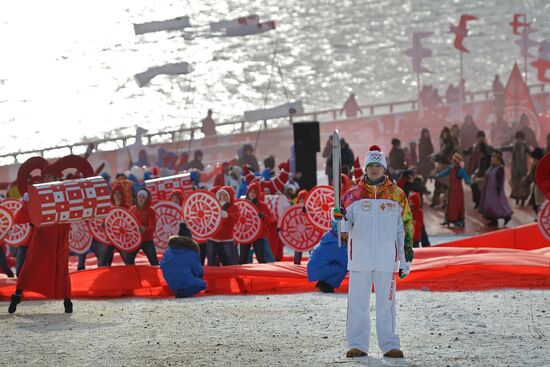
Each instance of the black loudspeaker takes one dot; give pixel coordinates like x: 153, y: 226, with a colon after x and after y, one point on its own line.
x: 307, y: 144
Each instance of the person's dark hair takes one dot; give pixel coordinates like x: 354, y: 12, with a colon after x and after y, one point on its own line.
x: 447, y: 131
x: 248, y: 147
x: 480, y: 134
x: 519, y: 135
x: 269, y: 162
x: 424, y: 130
x: 395, y: 142
x: 181, y: 242
x: 184, y: 230
x: 198, y: 153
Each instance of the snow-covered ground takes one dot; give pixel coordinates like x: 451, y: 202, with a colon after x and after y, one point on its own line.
x: 497, y: 328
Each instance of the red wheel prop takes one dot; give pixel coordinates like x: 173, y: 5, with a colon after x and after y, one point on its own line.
x: 6, y: 221
x: 96, y: 227
x: 202, y: 213
x: 122, y: 229
x: 318, y: 203
x: 80, y: 238
x: 20, y: 233
x: 168, y: 223
x: 296, y: 230
x: 249, y: 225
x: 542, y: 175
x: 543, y: 219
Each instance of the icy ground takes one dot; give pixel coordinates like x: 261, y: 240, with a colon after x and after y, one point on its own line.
x: 497, y: 328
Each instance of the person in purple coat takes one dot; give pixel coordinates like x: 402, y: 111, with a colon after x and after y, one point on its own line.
x: 493, y: 203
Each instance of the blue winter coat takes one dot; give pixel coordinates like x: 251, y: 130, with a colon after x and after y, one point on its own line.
x: 182, y: 270
x: 328, y: 262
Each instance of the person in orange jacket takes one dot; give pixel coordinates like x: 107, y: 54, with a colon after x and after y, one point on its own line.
x: 148, y: 221
x: 255, y: 195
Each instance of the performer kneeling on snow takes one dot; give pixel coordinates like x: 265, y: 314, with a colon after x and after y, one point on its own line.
x: 328, y: 263
x: 181, y: 265
x: 377, y: 216
x: 148, y: 221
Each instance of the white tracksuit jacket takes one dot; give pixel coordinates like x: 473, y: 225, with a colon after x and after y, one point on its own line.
x: 379, y: 222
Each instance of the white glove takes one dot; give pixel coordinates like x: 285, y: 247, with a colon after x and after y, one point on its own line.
x: 26, y: 197
x: 224, y: 214
x: 404, y: 269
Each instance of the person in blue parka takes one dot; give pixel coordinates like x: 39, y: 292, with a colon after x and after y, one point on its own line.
x: 328, y: 263
x: 181, y: 265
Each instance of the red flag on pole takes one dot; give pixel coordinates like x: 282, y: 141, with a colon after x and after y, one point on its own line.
x: 542, y: 64
x: 518, y: 101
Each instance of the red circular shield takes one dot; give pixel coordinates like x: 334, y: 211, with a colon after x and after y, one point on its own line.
x: 542, y: 174
x: 202, y: 213
x: 319, y: 202
x: 96, y: 227
x: 543, y: 219
x: 6, y: 221
x: 122, y: 229
x: 168, y: 223
x: 20, y: 233
x: 297, y: 232
x: 80, y: 238
x: 249, y: 226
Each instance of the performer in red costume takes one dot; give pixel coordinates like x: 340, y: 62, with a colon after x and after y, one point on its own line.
x: 256, y: 197
x: 148, y: 221
x: 106, y: 251
x: 46, y: 268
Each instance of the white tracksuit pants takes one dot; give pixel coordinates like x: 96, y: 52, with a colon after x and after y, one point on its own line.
x: 358, y: 319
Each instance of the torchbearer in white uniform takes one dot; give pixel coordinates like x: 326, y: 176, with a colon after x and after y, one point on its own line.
x: 377, y: 217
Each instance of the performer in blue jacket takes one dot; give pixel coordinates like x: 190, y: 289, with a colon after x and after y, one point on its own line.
x: 328, y: 263
x: 181, y: 265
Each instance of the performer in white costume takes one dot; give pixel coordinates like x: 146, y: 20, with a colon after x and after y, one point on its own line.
x: 377, y: 216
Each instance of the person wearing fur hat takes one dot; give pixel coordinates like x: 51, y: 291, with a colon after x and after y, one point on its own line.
x: 256, y: 197
x: 147, y: 218
x: 376, y: 215
x: 328, y: 263
x: 455, y: 195
x: 181, y: 266
x: 220, y: 247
